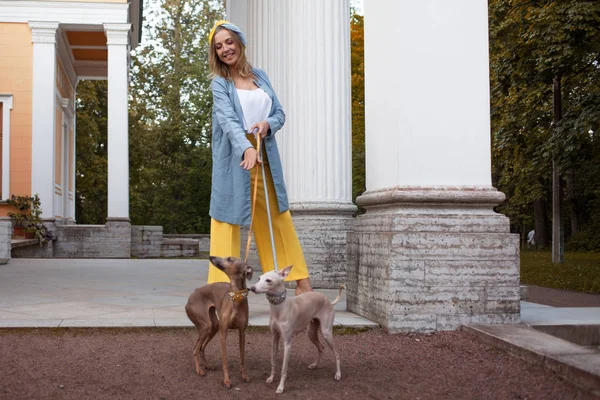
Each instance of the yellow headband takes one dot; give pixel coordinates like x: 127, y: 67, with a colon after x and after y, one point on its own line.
x: 212, y: 31
x: 231, y: 27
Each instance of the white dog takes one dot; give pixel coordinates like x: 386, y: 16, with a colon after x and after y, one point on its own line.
x: 293, y: 315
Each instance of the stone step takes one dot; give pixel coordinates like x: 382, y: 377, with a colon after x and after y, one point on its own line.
x: 577, y: 364
x: 583, y: 335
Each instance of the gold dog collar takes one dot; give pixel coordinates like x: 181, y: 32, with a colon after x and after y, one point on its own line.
x: 239, y: 296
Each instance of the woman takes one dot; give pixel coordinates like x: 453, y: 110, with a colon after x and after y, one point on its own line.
x: 244, y: 101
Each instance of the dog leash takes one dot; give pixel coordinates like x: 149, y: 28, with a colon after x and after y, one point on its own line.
x: 262, y: 166
x: 253, y: 205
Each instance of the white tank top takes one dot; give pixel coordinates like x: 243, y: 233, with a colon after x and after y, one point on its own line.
x: 256, y: 105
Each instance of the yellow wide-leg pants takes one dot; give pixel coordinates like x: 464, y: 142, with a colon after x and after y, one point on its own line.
x: 225, y: 238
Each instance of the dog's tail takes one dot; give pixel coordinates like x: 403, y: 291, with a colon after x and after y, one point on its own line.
x: 333, y: 303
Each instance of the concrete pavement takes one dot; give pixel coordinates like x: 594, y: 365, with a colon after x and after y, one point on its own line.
x: 116, y: 293
x: 539, y: 314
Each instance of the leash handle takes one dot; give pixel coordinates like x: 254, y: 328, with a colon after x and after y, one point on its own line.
x: 253, y: 200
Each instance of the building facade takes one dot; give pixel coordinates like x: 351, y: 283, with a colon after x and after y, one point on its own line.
x: 46, y: 48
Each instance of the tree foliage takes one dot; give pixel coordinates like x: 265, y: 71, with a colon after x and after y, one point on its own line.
x: 358, y: 104
x: 91, y: 150
x: 532, y: 43
x: 169, y: 123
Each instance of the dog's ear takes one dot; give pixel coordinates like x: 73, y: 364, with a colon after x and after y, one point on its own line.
x: 249, y: 272
x: 286, y: 271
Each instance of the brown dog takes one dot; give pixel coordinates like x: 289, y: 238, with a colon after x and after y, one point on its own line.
x: 218, y: 307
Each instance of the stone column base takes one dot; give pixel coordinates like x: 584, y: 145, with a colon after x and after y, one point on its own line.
x: 323, y: 232
x: 146, y: 241
x: 118, y: 238
x: 430, y: 259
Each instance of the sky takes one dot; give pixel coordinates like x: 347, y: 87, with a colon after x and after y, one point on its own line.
x: 358, y: 4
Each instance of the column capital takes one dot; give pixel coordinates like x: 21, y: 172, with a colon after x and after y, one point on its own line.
x: 43, y: 31
x: 117, y: 33
x: 7, y: 99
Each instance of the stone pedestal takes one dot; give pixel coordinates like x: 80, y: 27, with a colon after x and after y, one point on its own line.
x: 146, y: 241
x: 429, y: 259
x: 5, y: 246
x: 112, y: 240
x: 118, y: 237
x: 323, y: 231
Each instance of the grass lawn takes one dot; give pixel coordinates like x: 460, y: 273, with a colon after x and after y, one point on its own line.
x: 580, y: 271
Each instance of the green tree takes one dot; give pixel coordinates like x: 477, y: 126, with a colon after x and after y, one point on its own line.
x: 532, y: 45
x: 171, y: 119
x: 91, y: 150
x: 169, y: 124
x: 358, y: 104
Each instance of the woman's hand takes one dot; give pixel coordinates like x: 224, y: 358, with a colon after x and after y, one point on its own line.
x: 250, y: 159
x: 261, y: 127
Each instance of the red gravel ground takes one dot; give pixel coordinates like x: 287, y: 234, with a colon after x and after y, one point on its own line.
x: 157, y: 364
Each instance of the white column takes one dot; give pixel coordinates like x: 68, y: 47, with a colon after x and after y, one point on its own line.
x: 237, y: 13
x: 6, y: 100
x: 43, y: 152
x: 427, y: 104
x: 430, y: 253
x: 118, y: 131
x: 304, y: 46
x: 74, y: 161
x: 67, y: 148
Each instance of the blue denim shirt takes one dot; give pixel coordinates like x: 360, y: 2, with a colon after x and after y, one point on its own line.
x: 230, y: 192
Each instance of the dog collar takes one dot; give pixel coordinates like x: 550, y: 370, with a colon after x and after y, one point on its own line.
x: 239, y: 296
x: 276, y: 298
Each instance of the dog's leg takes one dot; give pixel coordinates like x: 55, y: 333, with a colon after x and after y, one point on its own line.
x: 313, y: 329
x: 242, y: 352
x: 195, y: 353
x: 328, y: 336
x: 223, y: 336
x: 213, y: 332
x: 274, y: 350
x: 203, y: 333
x: 287, y: 346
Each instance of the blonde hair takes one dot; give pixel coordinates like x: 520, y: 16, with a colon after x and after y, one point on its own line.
x: 218, y: 67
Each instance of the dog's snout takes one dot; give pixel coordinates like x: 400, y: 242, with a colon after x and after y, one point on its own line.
x: 253, y: 289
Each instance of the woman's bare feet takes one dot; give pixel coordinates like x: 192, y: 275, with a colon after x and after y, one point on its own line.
x: 303, y: 286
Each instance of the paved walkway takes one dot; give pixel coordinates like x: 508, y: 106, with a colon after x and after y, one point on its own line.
x: 93, y: 292
x: 110, y: 293
x: 561, y: 298
x: 539, y: 314
x: 547, y: 306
